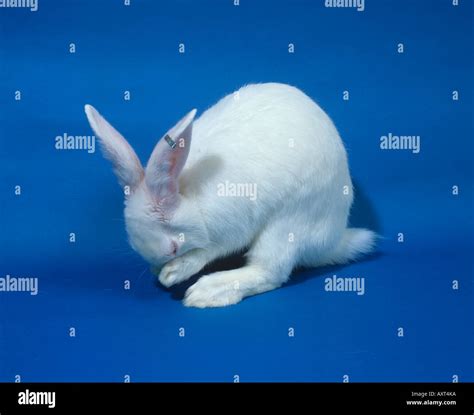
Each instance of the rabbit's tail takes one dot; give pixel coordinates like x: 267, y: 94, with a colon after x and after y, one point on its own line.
x: 355, y: 243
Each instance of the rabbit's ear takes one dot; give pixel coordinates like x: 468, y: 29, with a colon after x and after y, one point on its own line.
x: 127, y: 166
x: 168, y: 159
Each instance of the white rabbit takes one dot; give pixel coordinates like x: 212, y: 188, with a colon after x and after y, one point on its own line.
x: 263, y: 170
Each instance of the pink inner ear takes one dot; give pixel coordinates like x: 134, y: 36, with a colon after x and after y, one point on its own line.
x: 127, y: 166
x: 173, y: 184
x: 166, y: 162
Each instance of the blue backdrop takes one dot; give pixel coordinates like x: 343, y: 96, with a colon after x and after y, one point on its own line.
x: 400, y: 63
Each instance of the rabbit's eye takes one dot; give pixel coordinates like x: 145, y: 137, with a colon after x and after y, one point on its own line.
x: 174, y: 248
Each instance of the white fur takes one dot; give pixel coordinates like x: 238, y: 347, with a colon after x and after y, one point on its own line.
x: 271, y: 136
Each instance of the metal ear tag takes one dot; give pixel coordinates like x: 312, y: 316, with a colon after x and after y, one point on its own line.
x: 170, y: 141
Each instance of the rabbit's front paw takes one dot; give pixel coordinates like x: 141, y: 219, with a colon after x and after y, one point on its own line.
x: 182, y: 268
x: 214, y: 290
x: 173, y: 272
